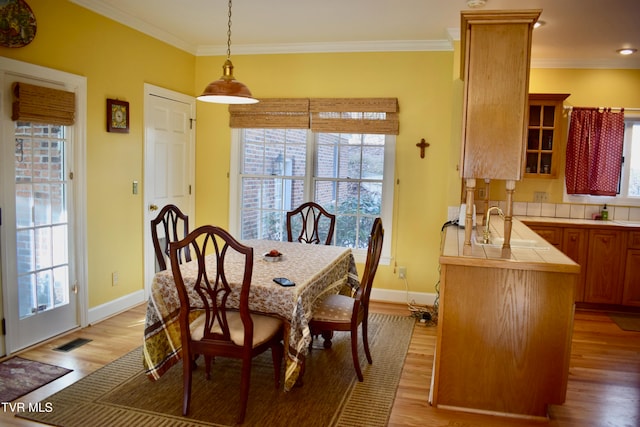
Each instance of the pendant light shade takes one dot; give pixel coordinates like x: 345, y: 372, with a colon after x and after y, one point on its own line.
x: 227, y: 90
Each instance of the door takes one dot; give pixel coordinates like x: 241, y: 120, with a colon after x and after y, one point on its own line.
x: 41, y: 240
x: 169, y: 161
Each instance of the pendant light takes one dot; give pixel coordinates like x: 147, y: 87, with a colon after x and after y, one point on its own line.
x: 227, y: 90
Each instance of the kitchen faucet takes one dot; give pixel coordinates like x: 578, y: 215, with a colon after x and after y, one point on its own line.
x: 487, y: 232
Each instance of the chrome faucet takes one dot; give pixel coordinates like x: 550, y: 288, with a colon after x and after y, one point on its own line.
x: 486, y: 233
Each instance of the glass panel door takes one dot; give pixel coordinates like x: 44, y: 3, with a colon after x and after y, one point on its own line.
x: 42, y: 227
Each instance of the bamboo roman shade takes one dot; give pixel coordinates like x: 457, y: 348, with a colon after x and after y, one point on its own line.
x: 43, y: 105
x: 281, y: 113
x: 344, y: 115
x: 354, y: 115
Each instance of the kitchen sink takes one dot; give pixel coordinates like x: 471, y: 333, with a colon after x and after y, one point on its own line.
x: 515, y: 243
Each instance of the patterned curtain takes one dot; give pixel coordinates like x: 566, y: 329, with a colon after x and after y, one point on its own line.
x: 594, y: 151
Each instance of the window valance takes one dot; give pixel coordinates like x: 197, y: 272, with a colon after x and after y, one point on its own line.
x: 43, y: 105
x: 344, y: 115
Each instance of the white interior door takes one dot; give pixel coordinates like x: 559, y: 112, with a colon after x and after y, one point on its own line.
x: 169, y: 161
x: 42, y: 199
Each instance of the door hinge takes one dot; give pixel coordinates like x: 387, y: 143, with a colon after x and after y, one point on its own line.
x: 70, y: 175
x: 191, y: 123
x: 4, y: 327
x: 75, y: 287
x: 189, y: 189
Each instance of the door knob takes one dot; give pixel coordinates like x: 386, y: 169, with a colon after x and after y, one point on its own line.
x: 153, y: 207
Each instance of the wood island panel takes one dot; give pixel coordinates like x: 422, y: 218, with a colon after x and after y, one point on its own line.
x: 504, y: 328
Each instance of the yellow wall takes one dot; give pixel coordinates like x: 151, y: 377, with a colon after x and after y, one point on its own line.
x: 422, y: 83
x: 117, y: 61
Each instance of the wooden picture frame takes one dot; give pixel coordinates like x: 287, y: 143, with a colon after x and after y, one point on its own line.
x: 117, y: 116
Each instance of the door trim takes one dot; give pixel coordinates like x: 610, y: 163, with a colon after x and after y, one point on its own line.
x: 151, y: 91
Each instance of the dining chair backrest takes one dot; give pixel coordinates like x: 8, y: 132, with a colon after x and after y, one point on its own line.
x: 310, y: 223
x: 213, y: 248
x: 215, y: 320
x: 170, y: 225
x: 374, y: 251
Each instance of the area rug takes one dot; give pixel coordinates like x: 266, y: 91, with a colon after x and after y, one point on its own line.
x: 121, y: 395
x: 20, y: 376
x: 626, y: 321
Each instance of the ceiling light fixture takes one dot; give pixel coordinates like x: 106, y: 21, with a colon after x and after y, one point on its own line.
x: 626, y: 51
x: 227, y: 90
x: 476, y: 3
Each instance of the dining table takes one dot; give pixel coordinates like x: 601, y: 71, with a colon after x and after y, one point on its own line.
x: 316, y: 270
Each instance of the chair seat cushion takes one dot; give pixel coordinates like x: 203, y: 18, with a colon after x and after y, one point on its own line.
x: 264, y: 328
x: 335, y: 308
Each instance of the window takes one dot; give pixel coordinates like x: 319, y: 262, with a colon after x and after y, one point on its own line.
x: 349, y: 174
x: 629, y: 187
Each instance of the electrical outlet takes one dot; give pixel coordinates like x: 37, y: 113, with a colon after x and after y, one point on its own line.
x: 114, y: 278
x: 481, y: 193
x: 402, y: 272
x: 540, y: 197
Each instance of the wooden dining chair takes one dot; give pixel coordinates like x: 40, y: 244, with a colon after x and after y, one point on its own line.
x: 309, y: 222
x: 345, y: 313
x: 208, y: 325
x: 175, y: 226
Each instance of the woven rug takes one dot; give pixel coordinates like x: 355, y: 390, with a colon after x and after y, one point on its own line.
x: 626, y: 321
x: 20, y: 376
x: 121, y: 395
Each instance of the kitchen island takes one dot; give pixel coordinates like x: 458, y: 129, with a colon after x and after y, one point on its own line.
x: 504, y: 324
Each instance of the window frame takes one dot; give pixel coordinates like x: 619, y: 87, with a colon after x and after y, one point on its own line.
x: 388, y: 180
x: 623, y: 199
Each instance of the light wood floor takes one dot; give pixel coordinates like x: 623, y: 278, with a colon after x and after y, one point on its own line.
x: 603, y: 390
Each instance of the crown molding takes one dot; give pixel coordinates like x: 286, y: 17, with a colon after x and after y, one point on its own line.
x: 620, y: 64
x: 346, y: 47
x: 120, y: 17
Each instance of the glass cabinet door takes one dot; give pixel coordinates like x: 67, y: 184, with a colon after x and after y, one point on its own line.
x: 543, y: 133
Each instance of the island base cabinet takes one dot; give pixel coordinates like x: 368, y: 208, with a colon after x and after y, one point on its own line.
x: 504, y: 340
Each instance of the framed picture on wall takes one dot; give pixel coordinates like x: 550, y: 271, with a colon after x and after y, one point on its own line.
x: 117, y: 116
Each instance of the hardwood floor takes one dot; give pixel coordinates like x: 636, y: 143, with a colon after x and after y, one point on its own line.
x: 604, y: 379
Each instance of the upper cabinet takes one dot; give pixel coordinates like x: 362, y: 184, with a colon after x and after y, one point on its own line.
x: 496, y: 52
x: 543, y: 134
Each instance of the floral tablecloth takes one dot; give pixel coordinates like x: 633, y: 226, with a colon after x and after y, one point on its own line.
x: 317, y: 271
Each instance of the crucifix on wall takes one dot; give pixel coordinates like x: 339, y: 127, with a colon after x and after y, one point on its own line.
x: 422, y: 145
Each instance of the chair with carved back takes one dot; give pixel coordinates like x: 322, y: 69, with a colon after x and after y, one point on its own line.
x: 170, y: 225
x: 311, y: 223
x: 345, y: 313
x: 208, y: 325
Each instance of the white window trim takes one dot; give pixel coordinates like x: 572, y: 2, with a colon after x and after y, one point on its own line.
x: 386, y: 213
x: 609, y: 200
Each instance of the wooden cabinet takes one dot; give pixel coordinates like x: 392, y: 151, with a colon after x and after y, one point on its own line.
x: 575, y: 245
x: 609, y: 258
x: 573, y: 242
x: 544, y: 132
x: 551, y: 234
x: 607, y: 250
x: 496, y: 50
x: 631, y: 289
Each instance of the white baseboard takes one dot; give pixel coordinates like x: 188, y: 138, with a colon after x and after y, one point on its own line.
x: 420, y: 298
x: 116, y: 306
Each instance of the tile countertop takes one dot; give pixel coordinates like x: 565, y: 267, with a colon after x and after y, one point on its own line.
x: 541, y: 257
x: 541, y: 220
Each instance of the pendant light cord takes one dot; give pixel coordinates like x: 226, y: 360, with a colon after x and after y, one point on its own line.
x: 229, y: 33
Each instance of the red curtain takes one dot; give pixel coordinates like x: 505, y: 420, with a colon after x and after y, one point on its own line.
x: 594, y: 151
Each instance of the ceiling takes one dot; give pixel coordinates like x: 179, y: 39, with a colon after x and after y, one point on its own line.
x: 576, y: 34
